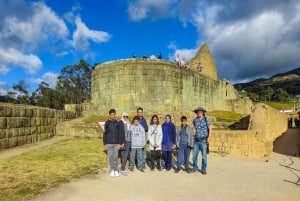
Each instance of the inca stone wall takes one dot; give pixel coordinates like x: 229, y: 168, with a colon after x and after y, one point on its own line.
x: 156, y: 85
x: 27, y: 124
x: 205, y: 59
x: 266, y: 124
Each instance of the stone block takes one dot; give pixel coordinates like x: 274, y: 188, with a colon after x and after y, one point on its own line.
x: 2, y: 133
x: 3, y: 122
x: 12, y: 142
x: 3, y: 111
x: 15, y: 112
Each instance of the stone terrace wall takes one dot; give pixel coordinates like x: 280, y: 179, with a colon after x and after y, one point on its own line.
x: 266, y: 124
x: 21, y: 124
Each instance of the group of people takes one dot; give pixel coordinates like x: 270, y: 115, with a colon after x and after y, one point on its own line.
x: 295, y: 121
x: 152, y: 56
x: 132, y: 138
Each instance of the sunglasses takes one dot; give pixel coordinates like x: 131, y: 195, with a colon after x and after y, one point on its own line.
x: 125, y: 116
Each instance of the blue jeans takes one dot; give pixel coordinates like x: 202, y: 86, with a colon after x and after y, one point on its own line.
x: 183, y: 156
x: 200, y: 146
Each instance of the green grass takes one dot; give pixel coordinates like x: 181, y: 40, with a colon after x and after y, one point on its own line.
x: 24, y: 176
x: 94, y: 118
x: 280, y: 105
x: 225, y: 116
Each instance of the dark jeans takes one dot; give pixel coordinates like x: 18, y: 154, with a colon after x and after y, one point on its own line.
x: 124, y: 155
x: 155, y: 156
x: 167, y: 155
x: 183, y: 156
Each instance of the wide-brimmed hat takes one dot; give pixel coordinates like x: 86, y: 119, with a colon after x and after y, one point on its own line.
x: 199, y: 109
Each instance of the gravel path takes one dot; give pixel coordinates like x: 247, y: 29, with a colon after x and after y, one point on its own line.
x: 229, y: 179
x: 276, y: 178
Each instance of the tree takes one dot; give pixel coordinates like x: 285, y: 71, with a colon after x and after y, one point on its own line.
x: 75, y: 82
x: 280, y: 95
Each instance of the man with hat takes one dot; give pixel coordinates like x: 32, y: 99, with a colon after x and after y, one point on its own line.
x: 203, y: 133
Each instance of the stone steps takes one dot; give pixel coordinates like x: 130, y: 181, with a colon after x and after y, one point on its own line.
x: 78, y: 128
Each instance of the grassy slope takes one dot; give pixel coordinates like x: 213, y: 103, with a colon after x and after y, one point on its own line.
x: 26, y: 175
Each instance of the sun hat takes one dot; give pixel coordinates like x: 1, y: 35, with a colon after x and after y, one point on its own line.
x: 199, y: 109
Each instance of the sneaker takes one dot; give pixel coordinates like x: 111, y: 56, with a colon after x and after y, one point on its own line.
x: 123, y: 172
x: 204, y: 172
x: 194, y: 170
x: 116, y: 173
x: 188, y: 170
x: 177, y: 170
x: 112, y: 173
x: 141, y: 170
x: 131, y: 169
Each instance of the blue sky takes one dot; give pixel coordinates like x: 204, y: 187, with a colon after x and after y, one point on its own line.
x: 249, y: 39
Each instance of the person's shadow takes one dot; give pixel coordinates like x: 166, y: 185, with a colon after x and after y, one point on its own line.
x: 293, y: 171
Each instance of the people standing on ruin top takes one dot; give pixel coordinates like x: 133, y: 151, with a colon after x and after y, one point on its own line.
x: 159, y: 56
x: 144, y: 57
x: 152, y: 56
x: 177, y: 60
x: 134, y: 56
x: 113, y: 140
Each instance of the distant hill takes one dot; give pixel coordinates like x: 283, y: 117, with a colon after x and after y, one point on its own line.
x: 286, y: 82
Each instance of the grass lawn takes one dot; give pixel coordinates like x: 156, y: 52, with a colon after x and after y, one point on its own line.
x: 281, y: 105
x: 225, y: 116
x: 24, y: 176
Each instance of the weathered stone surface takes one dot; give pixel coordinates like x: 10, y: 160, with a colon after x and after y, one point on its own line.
x: 205, y: 59
x: 158, y: 86
x: 21, y: 124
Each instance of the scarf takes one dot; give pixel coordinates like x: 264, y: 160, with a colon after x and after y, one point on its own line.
x: 166, y: 128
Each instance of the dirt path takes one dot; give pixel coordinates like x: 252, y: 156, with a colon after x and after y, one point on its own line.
x: 227, y: 179
x: 233, y: 179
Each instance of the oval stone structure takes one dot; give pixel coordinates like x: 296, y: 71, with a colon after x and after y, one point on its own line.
x: 157, y: 86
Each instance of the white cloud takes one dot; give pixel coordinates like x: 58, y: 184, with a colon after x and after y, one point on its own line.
x: 186, y: 54
x: 3, y: 69
x: 262, y: 42
x: 140, y: 9
x: 82, y: 35
x: 22, y: 36
x: 3, y: 88
x: 48, y: 77
x: 31, y: 63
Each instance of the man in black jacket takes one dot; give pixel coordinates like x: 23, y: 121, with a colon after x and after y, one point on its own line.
x: 113, y: 139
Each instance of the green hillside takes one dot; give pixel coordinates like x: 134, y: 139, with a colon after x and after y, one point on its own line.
x: 280, y: 87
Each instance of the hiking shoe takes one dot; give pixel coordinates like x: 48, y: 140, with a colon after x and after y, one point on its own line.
x: 177, y: 170
x: 188, y: 170
x: 112, y: 173
x: 123, y: 172
x: 116, y: 173
x: 141, y: 170
x: 130, y: 169
x: 204, y: 172
x: 194, y: 170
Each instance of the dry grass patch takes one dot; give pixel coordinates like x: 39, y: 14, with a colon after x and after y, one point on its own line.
x: 225, y: 116
x: 24, y: 176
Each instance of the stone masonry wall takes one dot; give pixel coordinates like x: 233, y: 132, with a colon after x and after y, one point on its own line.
x: 21, y: 124
x: 158, y: 86
x: 266, y: 124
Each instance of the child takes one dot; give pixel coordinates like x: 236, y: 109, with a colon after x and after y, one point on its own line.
x: 113, y: 140
x: 138, y: 142
x: 184, y: 143
x: 155, y: 139
x: 126, y: 148
x: 169, y: 141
